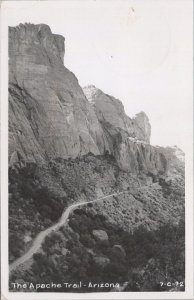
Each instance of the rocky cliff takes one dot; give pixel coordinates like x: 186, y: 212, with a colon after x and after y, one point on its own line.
x: 49, y: 113
x: 51, y: 116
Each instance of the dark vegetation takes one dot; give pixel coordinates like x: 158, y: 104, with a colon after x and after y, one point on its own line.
x: 161, y: 250
x: 147, y: 258
x: 32, y: 207
x: 38, y: 195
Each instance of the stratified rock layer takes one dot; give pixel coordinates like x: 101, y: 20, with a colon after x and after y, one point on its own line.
x: 51, y: 116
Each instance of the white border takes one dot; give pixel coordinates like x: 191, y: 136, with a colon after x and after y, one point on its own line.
x: 188, y: 294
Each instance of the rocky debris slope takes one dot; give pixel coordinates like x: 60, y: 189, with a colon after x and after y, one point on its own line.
x: 50, y: 116
x: 41, y: 193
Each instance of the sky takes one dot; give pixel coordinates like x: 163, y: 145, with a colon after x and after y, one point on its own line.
x: 137, y: 51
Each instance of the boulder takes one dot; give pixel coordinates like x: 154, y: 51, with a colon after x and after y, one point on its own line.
x: 100, y: 235
x: 120, y: 249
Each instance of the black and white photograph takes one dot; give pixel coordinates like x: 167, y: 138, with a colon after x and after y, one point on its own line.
x: 97, y: 114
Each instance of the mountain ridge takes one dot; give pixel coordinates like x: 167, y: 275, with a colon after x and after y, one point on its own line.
x: 51, y: 116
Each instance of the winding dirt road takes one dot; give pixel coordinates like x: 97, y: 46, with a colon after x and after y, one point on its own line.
x: 36, y: 245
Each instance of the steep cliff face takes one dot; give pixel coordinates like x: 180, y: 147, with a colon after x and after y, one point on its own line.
x: 49, y: 113
x: 111, y: 115
x: 51, y: 116
x: 129, y: 139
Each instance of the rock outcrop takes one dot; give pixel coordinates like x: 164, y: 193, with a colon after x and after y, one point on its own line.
x: 51, y: 116
x: 110, y: 113
x: 128, y: 139
x: 100, y: 235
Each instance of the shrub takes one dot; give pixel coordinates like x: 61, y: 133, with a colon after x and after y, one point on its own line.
x: 87, y: 241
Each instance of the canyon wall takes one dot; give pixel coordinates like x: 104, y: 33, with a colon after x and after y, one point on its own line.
x: 51, y: 116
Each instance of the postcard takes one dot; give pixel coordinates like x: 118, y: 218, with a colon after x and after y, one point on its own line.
x: 96, y: 149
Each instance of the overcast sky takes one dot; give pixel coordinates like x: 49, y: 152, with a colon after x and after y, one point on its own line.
x: 137, y: 51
